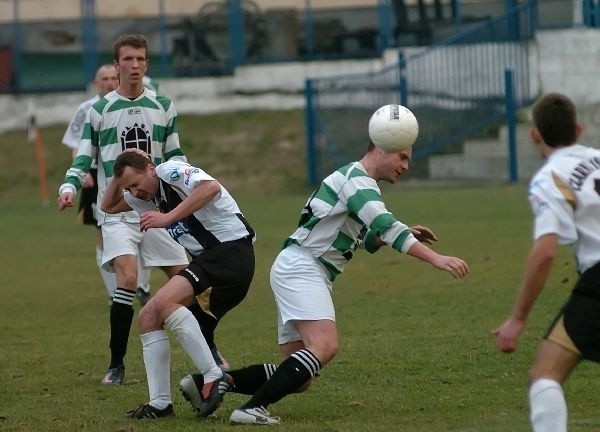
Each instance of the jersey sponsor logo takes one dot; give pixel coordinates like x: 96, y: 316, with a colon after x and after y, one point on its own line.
x: 134, y: 111
x: 174, y: 175
x: 187, y: 173
x: 177, y: 229
x: 136, y: 136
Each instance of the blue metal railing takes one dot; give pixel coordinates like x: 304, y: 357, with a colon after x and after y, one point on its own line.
x: 455, y: 88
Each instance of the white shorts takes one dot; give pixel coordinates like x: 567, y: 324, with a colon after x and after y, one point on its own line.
x: 154, y: 248
x: 302, y: 291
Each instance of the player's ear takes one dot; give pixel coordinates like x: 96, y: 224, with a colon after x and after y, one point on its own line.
x: 578, y: 130
x: 536, y: 137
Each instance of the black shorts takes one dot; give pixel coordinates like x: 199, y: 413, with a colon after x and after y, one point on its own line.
x: 582, y: 314
x: 221, y: 276
x: 87, y: 201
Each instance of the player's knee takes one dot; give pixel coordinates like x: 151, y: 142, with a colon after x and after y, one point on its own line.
x: 149, y: 317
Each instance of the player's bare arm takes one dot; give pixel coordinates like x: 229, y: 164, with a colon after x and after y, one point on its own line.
x: 198, y: 198
x: 113, y: 201
x: 457, y: 267
x: 539, y: 263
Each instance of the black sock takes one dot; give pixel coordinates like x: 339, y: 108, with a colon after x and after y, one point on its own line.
x: 121, y: 316
x: 297, y: 369
x: 249, y: 379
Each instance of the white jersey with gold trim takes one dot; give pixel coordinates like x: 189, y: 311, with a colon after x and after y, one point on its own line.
x: 565, y: 198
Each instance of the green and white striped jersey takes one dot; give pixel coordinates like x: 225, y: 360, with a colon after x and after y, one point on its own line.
x: 346, y: 212
x: 114, y: 123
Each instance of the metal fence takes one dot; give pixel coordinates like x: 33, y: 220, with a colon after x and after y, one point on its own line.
x: 455, y: 88
x: 217, y: 36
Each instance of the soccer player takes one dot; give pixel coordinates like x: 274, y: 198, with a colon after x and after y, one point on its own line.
x: 345, y: 212
x: 105, y: 81
x: 132, y: 116
x: 203, y: 217
x: 564, y: 196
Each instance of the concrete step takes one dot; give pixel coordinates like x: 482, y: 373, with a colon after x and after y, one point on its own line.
x: 467, y: 167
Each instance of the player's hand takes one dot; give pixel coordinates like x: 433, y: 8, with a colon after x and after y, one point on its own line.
x: 507, y: 334
x: 457, y: 267
x: 89, y: 181
x: 153, y: 219
x: 423, y: 234
x: 65, y: 200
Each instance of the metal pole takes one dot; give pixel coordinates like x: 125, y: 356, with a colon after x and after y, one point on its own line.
x: 311, y: 148
x: 511, y: 122
x: 89, y: 50
x: 308, y: 29
x: 17, y: 47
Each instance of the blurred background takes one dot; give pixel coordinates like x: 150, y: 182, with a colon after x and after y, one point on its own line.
x: 469, y: 69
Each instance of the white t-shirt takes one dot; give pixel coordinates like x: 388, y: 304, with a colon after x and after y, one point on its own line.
x: 565, y: 198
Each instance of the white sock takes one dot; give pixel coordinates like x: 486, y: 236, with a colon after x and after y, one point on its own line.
x: 548, y: 406
x: 109, y: 279
x: 187, y: 331
x: 143, y: 277
x: 157, y: 353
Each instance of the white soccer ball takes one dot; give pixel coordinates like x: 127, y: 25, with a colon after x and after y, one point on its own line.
x: 393, y: 128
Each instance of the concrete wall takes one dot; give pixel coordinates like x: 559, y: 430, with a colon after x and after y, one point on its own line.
x: 563, y: 60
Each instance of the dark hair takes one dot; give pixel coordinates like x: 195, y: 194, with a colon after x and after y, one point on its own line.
x: 130, y: 159
x: 554, y: 117
x: 132, y: 40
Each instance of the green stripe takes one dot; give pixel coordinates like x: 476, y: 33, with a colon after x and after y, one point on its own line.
x: 360, y: 198
x: 74, y: 181
x: 333, y: 272
x: 356, y: 172
x: 107, y: 137
x: 370, y: 242
x: 343, y: 170
x: 343, y: 242
x: 382, y: 223
x: 157, y: 161
x: 400, y: 240
x: 172, y: 128
x: 310, y: 224
x: 124, y: 104
x: 82, y: 163
x: 99, y: 106
x: 174, y: 152
x: 325, y: 193
x: 88, y: 132
x: 158, y: 134
x: 164, y: 101
x: 108, y: 168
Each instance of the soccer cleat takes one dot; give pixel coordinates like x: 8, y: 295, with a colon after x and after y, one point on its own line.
x: 147, y: 411
x: 143, y: 296
x: 220, y: 360
x: 114, y: 376
x: 258, y: 415
x: 207, y: 401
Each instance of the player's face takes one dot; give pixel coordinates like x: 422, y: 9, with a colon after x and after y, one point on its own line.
x: 141, y: 184
x: 132, y: 65
x: 106, y: 80
x: 393, y: 165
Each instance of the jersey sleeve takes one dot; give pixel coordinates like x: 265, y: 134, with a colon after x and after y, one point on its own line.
x: 72, y: 135
x: 553, y: 214
x: 364, y: 201
x: 137, y: 204
x: 181, y: 175
x: 86, y: 153
x: 172, y: 148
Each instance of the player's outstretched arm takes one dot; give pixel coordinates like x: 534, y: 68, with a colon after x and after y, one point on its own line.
x: 457, y: 267
x: 423, y: 234
x: 539, y: 263
x: 65, y: 200
x: 112, y: 200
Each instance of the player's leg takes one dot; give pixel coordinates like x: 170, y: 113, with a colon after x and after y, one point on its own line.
x: 143, y: 293
x: 109, y: 278
x: 169, y: 305
x: 551, y: 368
x: 121, y: 243
x: 307, y: 332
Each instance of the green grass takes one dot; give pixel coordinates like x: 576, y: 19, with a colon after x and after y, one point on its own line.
x: 415, y: 354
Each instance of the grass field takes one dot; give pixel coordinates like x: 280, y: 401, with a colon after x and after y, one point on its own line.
x: 416, y: 354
